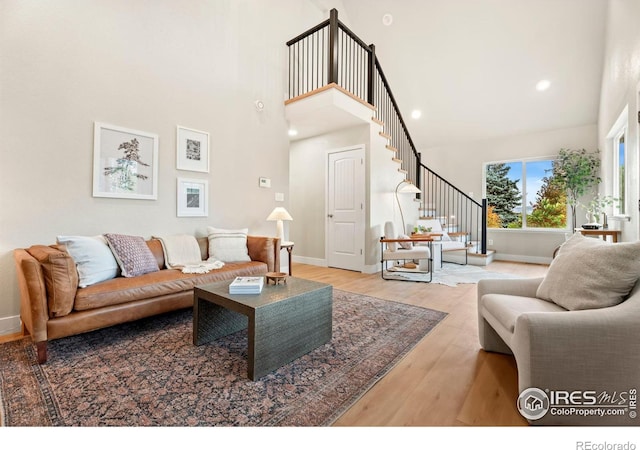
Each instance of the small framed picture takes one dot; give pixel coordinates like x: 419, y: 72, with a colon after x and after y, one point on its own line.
x: 193, y: 198
x: 125, y: 163
x: 192, y: 150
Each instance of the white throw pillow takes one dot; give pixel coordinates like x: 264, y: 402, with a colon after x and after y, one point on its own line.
x: 405, y: 245
x: 93, y: 257
x: 589, y: 273
x: 228, y: 245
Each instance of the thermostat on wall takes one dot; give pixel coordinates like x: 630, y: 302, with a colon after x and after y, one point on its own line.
x: 265, y: 182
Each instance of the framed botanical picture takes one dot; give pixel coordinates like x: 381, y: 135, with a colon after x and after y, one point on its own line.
x: 193, y: 198
x: 125, y: 163
x: 192, y: 150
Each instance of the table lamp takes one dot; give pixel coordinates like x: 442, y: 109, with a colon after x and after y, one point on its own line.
x: 279, y: 214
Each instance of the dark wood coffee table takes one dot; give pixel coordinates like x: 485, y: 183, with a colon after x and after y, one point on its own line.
x: 283, y: 322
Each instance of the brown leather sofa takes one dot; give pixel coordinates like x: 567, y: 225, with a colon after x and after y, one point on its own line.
x: 47, y: 278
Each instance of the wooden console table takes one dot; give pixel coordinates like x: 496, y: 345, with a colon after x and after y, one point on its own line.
x: 615, y: 234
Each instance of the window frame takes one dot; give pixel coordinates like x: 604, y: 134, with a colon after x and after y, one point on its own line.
x: 619, y: 129
x: 524, y: 162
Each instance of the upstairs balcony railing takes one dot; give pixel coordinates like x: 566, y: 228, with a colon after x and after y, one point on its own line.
x: 330, y: 53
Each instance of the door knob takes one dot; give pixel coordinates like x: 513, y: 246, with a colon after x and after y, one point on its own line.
x: 330, y: 216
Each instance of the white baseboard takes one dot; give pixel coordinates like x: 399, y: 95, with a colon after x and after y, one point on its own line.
x: 523, y: 258
x: 311, y: 261
x: 374, y: 268
x: 10, y: 325
x: 323, y: 263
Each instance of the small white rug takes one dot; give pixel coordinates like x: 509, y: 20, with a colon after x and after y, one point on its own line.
x: 451, y: 275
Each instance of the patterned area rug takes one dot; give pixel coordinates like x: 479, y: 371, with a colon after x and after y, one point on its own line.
x: 148, y: 373
x: 450, y: 275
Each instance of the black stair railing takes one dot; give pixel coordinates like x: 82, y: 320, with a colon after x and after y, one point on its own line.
x: 330, y: 53
x: 456, y: 211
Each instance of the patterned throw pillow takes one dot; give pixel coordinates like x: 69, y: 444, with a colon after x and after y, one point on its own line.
x: 132, y: 253
x: 228, y: 245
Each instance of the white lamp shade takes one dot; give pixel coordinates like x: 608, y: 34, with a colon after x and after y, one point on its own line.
x: 279, y: 214
x: 409, y: 188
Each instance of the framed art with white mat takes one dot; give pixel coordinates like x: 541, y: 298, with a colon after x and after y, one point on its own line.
x: 192, y: 150
x: 193, y: 198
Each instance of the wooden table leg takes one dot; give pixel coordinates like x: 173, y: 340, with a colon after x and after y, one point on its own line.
x: 290, y: 250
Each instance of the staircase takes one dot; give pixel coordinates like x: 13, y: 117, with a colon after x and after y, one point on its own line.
x: 331, y: 55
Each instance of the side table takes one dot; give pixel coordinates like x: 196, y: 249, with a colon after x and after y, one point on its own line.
x: 289, y: 247
x: 615, y: 234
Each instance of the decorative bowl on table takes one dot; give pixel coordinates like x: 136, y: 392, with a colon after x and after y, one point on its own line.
x: 276, y: 277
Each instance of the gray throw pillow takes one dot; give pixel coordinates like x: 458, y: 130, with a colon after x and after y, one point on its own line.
x: 132, y: 253
x: 589, y: 273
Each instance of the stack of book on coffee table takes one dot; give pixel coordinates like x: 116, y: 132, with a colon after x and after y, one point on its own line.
x: 246, y: 285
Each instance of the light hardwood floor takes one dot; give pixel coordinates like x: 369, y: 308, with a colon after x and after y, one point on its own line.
x: 447, y: 379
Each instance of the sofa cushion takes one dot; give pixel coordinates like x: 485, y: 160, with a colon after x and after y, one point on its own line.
x: 590, y: 273
x: 93, y: 257
x: 228, y: 245
x: 60, y: 278
x: 154, y: 284
x: 506, y: 308
x: 132, y: 253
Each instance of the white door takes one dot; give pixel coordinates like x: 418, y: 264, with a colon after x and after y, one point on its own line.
x: 345, y: 209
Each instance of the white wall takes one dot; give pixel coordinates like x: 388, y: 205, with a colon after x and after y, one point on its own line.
x: 462, y: 165
x: 148, y: 65
x: 308, y: 165
x: 620, y: 85
x: 308, y: 193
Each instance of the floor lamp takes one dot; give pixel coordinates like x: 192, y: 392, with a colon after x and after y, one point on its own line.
x: 408, y: 188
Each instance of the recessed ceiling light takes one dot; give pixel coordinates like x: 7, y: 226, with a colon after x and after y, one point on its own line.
x: 293, y: 132
x: 387, y: 19
x: 543, y: 85
x: 416, y: 114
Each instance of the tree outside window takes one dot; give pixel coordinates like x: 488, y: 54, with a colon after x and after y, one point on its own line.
x: 524, y: 194
x: 618, y: 174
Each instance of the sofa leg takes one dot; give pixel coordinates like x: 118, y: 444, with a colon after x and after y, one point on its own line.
x: 41, y: 348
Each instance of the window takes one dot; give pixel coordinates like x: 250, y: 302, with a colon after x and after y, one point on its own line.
x: 618, y: 172
x: 615, y: 177
x: 522, y: 194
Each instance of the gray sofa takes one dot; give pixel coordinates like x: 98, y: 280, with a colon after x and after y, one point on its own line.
x: 586, y: 361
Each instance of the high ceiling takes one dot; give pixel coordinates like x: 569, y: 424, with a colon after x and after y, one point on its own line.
x: 471, y: 66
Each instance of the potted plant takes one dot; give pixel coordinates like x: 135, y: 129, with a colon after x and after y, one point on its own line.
x: 576, y: 171
x: 421, y: 230
x: 597, y: 207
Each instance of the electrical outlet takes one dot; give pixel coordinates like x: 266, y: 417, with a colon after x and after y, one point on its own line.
x: 489, y: 241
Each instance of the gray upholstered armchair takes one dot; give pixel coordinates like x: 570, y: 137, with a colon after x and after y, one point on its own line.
x: 593, y: 354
